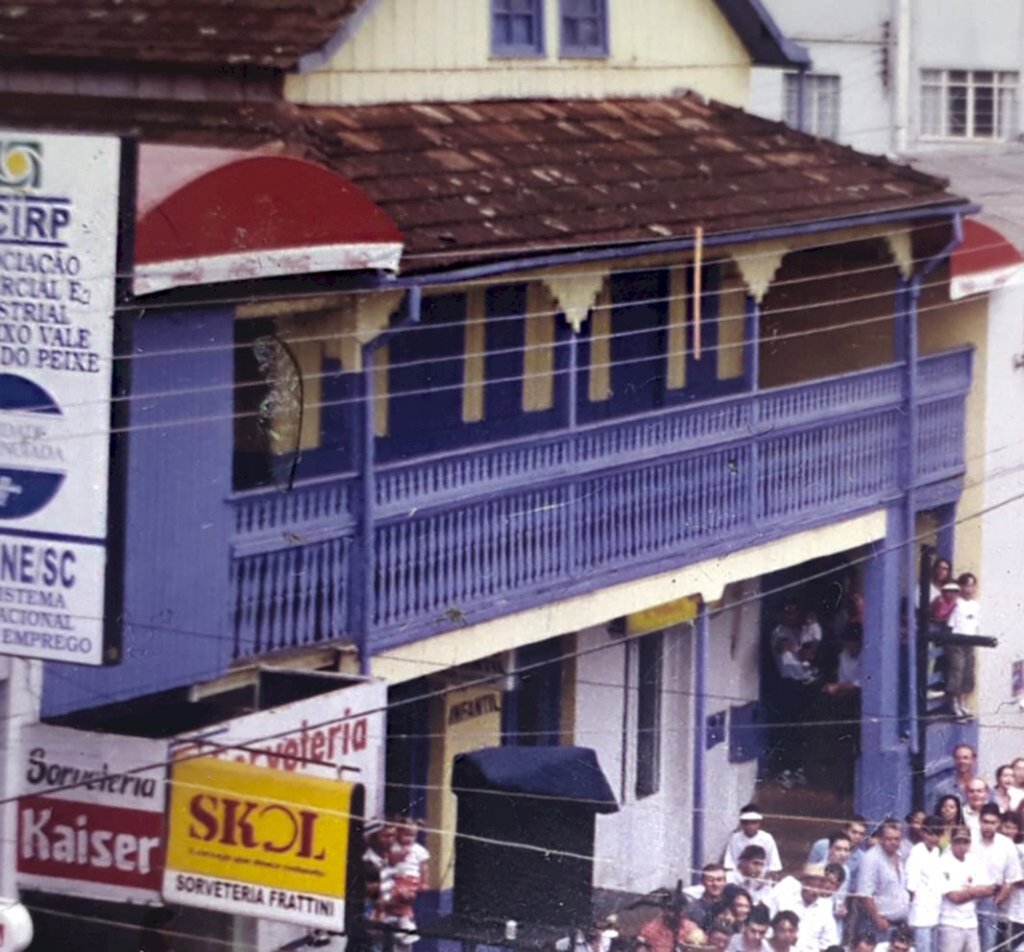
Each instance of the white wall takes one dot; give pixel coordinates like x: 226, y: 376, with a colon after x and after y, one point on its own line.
x: 856, y: 42
x: 1002, y: 583
x: 734, y: 677
x: 846, y: 40
x: 663, y: 822
x: 645, y: 844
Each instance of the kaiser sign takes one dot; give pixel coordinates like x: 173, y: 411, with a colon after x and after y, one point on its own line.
x: 91, y: 814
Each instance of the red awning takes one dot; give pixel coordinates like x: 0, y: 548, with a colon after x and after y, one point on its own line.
x: 984, y: 261
x: 205, y: 216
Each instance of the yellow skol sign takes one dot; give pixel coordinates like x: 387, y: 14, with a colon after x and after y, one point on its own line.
x: 259, y: 842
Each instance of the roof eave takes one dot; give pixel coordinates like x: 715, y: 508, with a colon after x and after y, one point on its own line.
x: 319, y: 58
x: 593, y: 253
x: 760, y: 34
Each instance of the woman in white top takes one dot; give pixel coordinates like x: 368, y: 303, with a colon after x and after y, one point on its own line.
x: 1006, y: 795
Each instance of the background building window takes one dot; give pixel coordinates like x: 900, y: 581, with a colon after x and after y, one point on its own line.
x: 584, y: 28
x: 968, y: 104
x: 821, y: 106
x: 650, y: 664
x: 517, y: 27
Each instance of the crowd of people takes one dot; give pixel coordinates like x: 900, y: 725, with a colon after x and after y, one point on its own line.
x: 949, y: 880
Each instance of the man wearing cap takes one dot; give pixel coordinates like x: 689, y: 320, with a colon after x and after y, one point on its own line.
x: 882, y: 881
x: 751, y: 834
x: 810, y: 898
x: 964, y: 882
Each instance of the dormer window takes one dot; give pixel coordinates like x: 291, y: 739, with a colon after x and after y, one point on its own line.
x: 584, y: 25
x: 517, y: 27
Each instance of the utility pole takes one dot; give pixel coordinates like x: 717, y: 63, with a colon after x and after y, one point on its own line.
x: 903, y: 20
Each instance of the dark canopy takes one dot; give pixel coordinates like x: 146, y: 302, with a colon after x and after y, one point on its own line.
x: 572, y: 773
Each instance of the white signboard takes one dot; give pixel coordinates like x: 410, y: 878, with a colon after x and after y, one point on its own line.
x: 58, y: 255
x: 337, y: 735
x: 90, y: 821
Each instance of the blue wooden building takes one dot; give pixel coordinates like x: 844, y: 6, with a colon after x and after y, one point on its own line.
x: 643, y: 359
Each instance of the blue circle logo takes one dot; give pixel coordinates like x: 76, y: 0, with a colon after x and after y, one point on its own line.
x: 32, y: 465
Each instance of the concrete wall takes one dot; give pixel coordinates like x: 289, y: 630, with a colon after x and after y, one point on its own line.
x: 846, y: 40
x: 606, y: 720
x: 1002, y: 543
x: 734, y: 666
x: 944, y: 324
x: 440, y: 49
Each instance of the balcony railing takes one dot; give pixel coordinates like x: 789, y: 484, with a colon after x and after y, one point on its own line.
x: 463, y: 536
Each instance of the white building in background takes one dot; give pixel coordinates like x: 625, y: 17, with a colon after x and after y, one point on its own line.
x: 900, y: 76
x: 938, y: 83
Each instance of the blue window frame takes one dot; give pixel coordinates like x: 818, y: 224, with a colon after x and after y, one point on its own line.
x: 517, y: 27
x: 584, y: 28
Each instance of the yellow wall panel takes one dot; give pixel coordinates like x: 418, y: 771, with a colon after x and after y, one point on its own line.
x: 731, y: 321
x: 539, y: 355
x: 676, y: 377
x: 461, y: 720
x: 381, y: 365
x: 417, y: 50
x: 474, y: 361
x: 599, y: 373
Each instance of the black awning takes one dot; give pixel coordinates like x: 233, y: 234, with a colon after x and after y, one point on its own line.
x: 569, y: 773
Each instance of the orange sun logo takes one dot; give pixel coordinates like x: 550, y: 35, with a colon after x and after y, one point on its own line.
x: 21, y: 164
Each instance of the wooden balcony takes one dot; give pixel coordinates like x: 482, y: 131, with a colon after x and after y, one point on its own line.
x: 441, y: 541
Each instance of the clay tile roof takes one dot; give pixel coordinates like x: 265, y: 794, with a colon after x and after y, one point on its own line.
x: 266, y: 33
x: 484, y: 181
x: 476, y: 181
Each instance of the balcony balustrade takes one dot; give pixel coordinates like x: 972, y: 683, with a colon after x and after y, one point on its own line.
x: 464, y: 536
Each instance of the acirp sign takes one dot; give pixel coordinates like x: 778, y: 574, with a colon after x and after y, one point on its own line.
x: 258, y: 842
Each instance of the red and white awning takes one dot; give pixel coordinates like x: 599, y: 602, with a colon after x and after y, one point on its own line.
x: 205, y: 216
x: 984, y: 261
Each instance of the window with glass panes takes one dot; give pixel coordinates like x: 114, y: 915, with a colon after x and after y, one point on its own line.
x: 968, y: 104
x: 584, y: 28
x: 821, y: 103
x: 517, y: 27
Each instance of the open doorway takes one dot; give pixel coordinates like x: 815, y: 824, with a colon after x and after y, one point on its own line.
x: 811, y: 638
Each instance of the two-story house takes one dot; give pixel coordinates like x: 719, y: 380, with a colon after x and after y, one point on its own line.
x: 646, y: 368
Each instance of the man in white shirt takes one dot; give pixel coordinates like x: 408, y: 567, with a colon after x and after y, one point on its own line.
x: 977, y: 797
x: 924, y: 885
x: 752, y: 938
x: 785, y: 931
x: 965, y: 620
x: 810, y: 899
x: 749, y: 873
x: 998, y: 855
x: 751, y: 834
x: 964, y: 882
